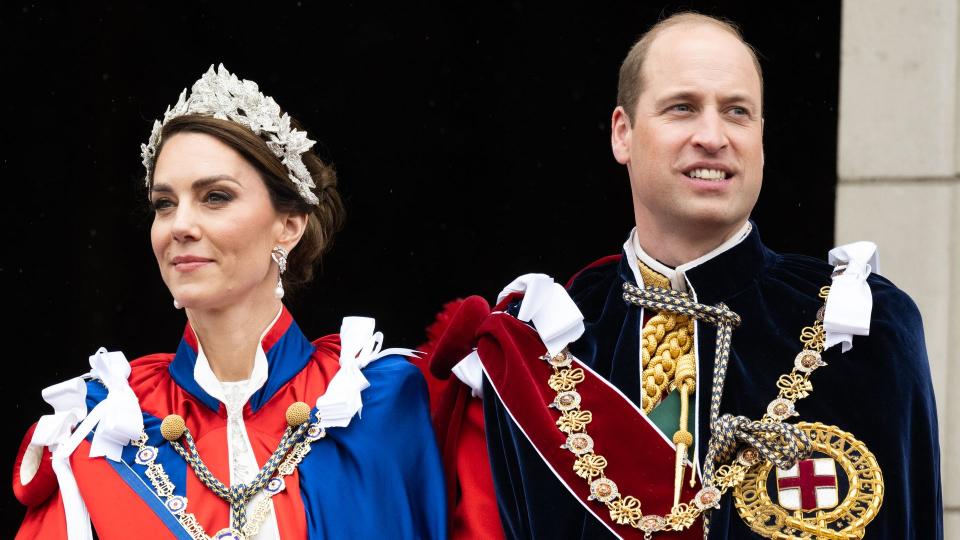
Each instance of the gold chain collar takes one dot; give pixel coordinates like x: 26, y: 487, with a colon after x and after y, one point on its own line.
x: 173, y: 429
x: 626, y: 509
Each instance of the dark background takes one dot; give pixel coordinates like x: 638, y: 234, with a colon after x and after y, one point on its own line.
x: 472, y: 144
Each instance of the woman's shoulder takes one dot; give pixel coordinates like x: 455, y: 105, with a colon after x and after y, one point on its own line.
x: 146, y: 370
x: 362, y: 386
x: 391, y: 364
x: 147, y: 374
x: 395, y: 366
x: 397, y: 388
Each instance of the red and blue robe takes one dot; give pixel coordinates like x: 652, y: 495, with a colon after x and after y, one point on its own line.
x: 378, y: 477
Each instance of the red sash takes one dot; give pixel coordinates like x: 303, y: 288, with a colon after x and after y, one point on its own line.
x: 640, y: 460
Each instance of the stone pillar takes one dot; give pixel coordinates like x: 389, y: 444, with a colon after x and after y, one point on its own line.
x: 898, y: 164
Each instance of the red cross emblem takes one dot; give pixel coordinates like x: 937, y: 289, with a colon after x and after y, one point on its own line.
x: 809, y: 485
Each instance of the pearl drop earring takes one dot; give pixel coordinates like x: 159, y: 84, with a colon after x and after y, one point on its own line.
x: 279, y: 256
x: 176, y: 304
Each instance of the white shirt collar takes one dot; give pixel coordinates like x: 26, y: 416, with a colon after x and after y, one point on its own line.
x: 678, y: 275
x: 211, y: 385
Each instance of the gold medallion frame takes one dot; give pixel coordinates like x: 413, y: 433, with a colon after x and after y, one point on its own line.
x: 847, y: 521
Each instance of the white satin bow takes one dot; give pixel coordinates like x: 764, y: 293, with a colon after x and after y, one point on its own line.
x: 69, y: 401
x: 850, y: 301
x: 117, y: 420
x: 359, y: 345
x: 547, y: 304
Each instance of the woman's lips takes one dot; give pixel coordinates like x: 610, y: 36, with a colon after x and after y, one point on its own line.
x: 189, y: 266
x: 187, y: 263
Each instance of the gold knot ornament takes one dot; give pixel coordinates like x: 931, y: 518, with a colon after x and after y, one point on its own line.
x: 172, y: 427
x: 683, y: 437
x: 298, y: 413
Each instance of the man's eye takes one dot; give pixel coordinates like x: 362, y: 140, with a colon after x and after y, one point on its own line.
x: 739, y: 111
x: 681, y: 107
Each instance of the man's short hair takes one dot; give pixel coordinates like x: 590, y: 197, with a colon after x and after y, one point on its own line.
x: 630, y: 85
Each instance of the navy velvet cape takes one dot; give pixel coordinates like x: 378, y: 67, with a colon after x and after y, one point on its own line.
x: 880, y: 391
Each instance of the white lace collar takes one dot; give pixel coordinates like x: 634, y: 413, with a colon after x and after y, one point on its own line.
x: 204, y: 376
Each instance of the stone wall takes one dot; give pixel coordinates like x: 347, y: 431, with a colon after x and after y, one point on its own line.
x: 898, y: 163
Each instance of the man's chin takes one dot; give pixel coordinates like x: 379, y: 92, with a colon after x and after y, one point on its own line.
x: 711, y: 224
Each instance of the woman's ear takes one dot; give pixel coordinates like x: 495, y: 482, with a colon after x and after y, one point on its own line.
x: 292, y: 228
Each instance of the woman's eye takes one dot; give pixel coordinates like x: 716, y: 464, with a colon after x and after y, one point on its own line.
x: 161, y: 204
x: 218, y: 197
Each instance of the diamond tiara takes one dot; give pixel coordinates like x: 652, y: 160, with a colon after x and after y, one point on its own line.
x: 222, y: 95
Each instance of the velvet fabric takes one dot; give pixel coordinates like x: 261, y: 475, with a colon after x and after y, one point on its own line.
x: 635, y: 450
x: 458, y: 421
x: 379, y: 475
x: 880, y: 391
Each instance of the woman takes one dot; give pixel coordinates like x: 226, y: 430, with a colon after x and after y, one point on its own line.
x: 249, y: 430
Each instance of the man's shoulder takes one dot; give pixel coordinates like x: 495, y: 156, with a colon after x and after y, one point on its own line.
x: 598, y: 273
x: 598, y: 269
x: 889, y: 298
x: 886, y: 295
x: 895, y: 321
x: 794, y: 266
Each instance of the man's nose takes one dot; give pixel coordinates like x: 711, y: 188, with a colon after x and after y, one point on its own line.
x: 710, y: 134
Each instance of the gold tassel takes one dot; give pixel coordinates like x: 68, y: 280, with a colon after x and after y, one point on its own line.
x: 686, y: 378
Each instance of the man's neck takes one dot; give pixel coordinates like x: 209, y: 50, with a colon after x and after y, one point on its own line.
x: 230, y: 336
x: 674, y: 246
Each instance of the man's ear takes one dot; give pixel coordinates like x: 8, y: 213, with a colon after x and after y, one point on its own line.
x: 763, y: 155
x: 621, y: 133
x: 292, y: 228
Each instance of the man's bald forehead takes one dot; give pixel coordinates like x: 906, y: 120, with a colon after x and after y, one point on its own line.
x: 631, y: 81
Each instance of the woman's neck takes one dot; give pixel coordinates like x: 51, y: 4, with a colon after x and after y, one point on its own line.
x: 230, y: 336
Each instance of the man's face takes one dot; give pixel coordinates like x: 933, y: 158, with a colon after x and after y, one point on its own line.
x: 694, y: 151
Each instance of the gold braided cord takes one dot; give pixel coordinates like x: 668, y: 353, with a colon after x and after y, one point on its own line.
x: 667, y: 339
x: 668, y: 362
x: 652, y: 277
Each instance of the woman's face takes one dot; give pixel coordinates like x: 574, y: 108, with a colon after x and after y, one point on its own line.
x: 214, y: 225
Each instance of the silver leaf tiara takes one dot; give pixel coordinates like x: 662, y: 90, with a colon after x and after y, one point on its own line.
x: 222, y: 95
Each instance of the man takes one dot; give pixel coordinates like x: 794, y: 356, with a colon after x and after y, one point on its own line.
x: 628, y: 411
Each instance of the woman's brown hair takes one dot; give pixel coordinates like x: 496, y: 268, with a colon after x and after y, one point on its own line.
x: 324, y: 220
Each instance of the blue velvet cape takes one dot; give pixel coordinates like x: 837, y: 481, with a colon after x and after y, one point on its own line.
x: 880, y: 391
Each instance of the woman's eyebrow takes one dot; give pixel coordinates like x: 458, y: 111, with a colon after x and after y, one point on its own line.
x: 199, y: 183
